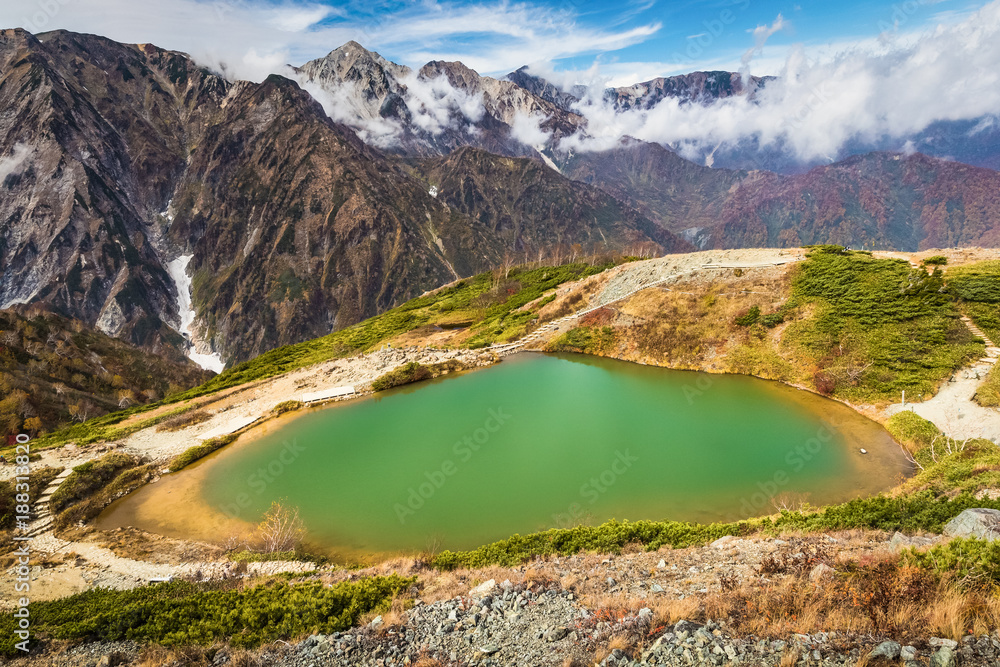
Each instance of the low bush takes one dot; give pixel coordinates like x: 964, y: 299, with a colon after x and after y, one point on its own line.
x: 125, y: 482
x: 750, y: 317
x: 972, y: 561
x: 287, y: 406
x: 922, y: 511
x: 912, y: 431
x: 90, y: 477
x: 192, y: 454
x: 411, y: 372
x: 186, y: 613
x: 588, y: 340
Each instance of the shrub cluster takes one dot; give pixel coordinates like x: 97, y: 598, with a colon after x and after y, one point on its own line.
x: 924, y: 511
x: 192, y: 454
x: 187, y: 613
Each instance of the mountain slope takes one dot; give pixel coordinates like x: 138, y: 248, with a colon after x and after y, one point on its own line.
x: 534, y: 208
x: 120, y: 158
x: 54, y: 370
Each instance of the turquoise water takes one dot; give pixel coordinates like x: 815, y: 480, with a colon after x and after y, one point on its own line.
x: 544, y: 441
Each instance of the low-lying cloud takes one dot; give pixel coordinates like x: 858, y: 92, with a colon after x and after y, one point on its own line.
x: 815, y: 108
x: 12, y: 163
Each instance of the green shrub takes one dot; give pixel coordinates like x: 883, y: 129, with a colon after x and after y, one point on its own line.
x: 192, y: 454
x: 748, y: 318
x: 988, y: 394
x: 972, y: 560
x: 588, y: 340
x: 772, y: 320
x: 911, y: 430
x: 923, y: 511
x: 287, y: 406
x: 411, y: 372
x: 186, y: 613
x: 879, y: 326
x: 936, y: 260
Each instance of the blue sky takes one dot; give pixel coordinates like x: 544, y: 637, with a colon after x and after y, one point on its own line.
x: 632, y: 41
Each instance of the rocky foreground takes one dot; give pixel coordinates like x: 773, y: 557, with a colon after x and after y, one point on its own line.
x: 507, y: 624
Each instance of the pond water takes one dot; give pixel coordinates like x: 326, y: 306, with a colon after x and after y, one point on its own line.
x: 532, y: 443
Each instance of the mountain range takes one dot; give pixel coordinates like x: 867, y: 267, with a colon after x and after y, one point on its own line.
x: 317, y: 198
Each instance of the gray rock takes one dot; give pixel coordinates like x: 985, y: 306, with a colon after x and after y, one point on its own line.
x: 483, y: 588
x: 889, y: 650
x: 944, y: 657
x: 908, y: 653
x: 555, y: 634
x: 938, y: 641
x: 656, y: 588
x: 821, y: 571
x: 685, y: 626
x: 978, y: 522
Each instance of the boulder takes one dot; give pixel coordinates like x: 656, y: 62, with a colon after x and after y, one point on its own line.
x: 978, y: 522
x: 483, y: 588
x: 943, y: 657
x: 888, y: 650
x: 821, y: 571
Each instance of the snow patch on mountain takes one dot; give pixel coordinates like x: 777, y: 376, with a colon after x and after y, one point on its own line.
x: 178, y: 271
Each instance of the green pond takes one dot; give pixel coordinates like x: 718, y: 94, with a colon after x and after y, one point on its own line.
x: 532, y: 443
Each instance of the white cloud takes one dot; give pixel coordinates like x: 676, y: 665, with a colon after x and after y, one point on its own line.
x: 893, y: 89
x: 223, y: 32
x: 527, y: 129
x: 13, y: 162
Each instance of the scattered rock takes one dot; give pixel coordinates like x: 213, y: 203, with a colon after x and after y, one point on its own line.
x: 821, y: 571
x: 483, y: 589
x: 978, y: 522
x: 908, y: 653
x: 944, y: 657
x: 888, y: 650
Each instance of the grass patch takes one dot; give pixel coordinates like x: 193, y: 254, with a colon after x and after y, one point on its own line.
x: 588, y: 340
x: 186, y: 613
x: 415, y: 372
x: 988, y: 394
x: 88, y: 478
x: 249, y: 556
x: 192, y: 454
x: 880, y: 326
x: 94, y: 485
x: 183, y: 420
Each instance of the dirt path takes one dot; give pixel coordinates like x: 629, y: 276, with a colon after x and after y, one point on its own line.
x: 953, y: 409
